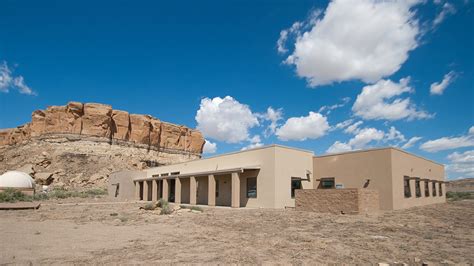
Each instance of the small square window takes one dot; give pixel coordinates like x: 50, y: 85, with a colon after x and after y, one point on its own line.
x: 251, y: 187
x: 327, y: 183
x: 295, y: 184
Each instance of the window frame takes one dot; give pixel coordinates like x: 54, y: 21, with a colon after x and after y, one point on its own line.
x: 417, y: 188
x: 406, y: 187
x: 332, y: 179
x: 248, y: 186
x: 293, y: 189
x: 427, y: 188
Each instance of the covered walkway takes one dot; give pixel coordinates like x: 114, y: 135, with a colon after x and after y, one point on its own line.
x: 212, y: 188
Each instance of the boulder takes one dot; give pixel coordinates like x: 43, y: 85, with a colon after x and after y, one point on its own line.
x: 27, y: 168
x: 140, y: 128
x: 44, y: 178
x: 120, y: 125
x: 56, y: 120
x: 97, y: 120
x: 155, y: 132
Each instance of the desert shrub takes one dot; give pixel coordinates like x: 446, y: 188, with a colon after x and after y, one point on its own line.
x: 61, y: 193
x: 149, y: 206
x: 165, y: 207
x: 40, y: 196
x: 95, y: 192
x: 454, y: 196
x: 13, y: 195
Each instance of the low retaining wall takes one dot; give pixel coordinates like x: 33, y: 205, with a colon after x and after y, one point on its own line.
x: 346, y: 200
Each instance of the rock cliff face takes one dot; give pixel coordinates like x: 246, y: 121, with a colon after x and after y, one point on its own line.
x: 100, y: 120
x: 79, y: 145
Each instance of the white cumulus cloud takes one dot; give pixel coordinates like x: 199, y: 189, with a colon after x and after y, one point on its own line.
x: 461, y: 165
x: 364, y: 40
x: 437, y: 88
x: 449, y: 143
x: 274, y: 116
x: 312, y: 126
x: 9, y: 81
x: 209, y: 147
x: 383, y: 100
x: 361, y: 140
x: 255, y: 142
x: 225, y: 119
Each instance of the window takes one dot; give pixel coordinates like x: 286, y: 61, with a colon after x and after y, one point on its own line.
x: 440, y: 189
x: 427, y: 189
x: 327, y: 183
x: 252, y: 187
x: 174, y: 173
x: 217, y: 188
x: 417, y: 188
x: 295, y: 184
x: 434, y: 188
x: 406, y: 182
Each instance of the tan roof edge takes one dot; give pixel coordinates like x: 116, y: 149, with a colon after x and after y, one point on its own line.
x: 377, y: 149
x: 236, y: 152
x: 223, y: 171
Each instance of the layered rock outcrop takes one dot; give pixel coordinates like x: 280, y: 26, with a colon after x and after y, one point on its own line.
x: 79, y: 145
x: 100, y: 120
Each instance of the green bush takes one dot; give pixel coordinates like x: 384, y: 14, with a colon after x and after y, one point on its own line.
x: 162, y: 203
x: 149, y: 206
x: 166, y: 210
x: 13, y: 195
x: 454, y: 196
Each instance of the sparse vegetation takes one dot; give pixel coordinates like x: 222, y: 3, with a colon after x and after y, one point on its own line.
x: 165, y: 207
x: 150, y: 206
x: 192, y: 208
x: 13, y: 195
x: 454, y: 196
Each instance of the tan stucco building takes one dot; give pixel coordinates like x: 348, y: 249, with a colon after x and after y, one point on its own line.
x: 268, y: 177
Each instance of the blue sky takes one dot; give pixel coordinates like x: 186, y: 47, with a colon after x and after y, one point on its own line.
x: 337, y: 76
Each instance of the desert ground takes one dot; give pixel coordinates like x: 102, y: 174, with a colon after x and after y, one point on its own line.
x: 86, y: 231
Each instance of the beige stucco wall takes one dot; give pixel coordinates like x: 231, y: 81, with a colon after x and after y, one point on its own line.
x: 385, y: 168
x: 406, y: 164
x: 291, y: 163
x: 127, y: 188
x: 354, y: 168
x: 277, y: 165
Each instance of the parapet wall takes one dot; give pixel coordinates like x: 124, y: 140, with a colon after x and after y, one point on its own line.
x: 347, y: 201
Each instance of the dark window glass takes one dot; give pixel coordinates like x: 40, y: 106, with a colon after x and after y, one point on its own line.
x: 407, y: 189
x: 433, y: 186
x: 295, y: 184
x: 417, y: 188
x: 427, y: 189
x: 327, y: 183
x: 217, y: 188
x: 252, y: 187
x: 440, y: 186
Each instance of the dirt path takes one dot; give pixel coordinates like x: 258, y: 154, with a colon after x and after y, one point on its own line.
x: 121, y: 233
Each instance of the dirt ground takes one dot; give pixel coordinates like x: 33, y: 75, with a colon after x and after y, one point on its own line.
x: 94, y: 231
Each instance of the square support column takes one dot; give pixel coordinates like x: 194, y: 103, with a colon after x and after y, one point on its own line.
x: 145, y: 190
x: 154, y: 190
x: 192, y: 190
x: 165, y: 189
x: 137, y: 190
x: 235, y: 190
x: 211, y: 196
x: 177, y: 191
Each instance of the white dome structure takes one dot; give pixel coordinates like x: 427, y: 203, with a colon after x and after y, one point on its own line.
x: 16, y: 179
